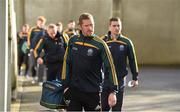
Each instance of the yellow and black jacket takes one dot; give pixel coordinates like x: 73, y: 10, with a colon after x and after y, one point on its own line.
x: 33, y: 34
x: 83, y: 61
x: 54, y: 49
x: 71, y: 32
x: 122, y: 49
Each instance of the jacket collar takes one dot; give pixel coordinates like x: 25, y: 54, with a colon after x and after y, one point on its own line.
x: 109, y: 36
x: 88, y: 37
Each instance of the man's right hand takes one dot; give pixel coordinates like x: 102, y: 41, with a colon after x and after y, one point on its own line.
x: 134, y: 83
x: 112, y: 100
x: 40, y: 61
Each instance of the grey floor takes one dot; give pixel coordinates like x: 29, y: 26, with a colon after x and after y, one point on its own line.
x: 158, y: 91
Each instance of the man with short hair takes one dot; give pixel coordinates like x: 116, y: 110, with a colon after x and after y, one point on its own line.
x: 59, y: 27
x: 54, y: 48
x: 122, y: 49
x: 22, y: 48
x: 34, y: 35
x: 84, y: 58
x: 71, y: 29
x: 34, y: 31
x: 60, y: 30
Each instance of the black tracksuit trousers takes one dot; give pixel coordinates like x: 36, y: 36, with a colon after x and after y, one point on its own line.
x: 89, y: 101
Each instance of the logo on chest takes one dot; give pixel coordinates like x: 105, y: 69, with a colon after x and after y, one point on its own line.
x: 74, y: 48
x: 121, y: 47
x: 58, y: 43
x: 90, y: 52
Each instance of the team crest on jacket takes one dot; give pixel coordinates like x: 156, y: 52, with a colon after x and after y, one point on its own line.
x: 121, y: 47
x: 75, y: 48
x: 89, y: 52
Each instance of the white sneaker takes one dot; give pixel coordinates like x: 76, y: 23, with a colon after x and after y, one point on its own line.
x: 27, y: 77
x: 40, y: 83
x: 36, y: 78
x: 33, y: 81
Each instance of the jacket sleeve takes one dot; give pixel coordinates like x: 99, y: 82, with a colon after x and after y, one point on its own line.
x: 132, y: 61
x: 65, y: 77
x: 65, y: 37
x: 39, y: 47
x: 29, y: 37
x: 36, y: 38
x: 109, y: 68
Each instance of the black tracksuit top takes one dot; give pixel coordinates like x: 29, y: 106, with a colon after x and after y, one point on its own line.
x: 54, y: 49
x: 83, y: 61
x: 122, y: 50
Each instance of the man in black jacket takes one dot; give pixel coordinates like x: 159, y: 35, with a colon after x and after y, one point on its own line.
x: 33, y: 37
x: 54, y: 48
x: 121, y: 49
x: 83, y: 60
x: 22, y: 48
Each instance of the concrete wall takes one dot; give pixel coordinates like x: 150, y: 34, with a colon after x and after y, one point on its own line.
x: 151, y: 24
x: 65, y: 10
x: 20, y: 14
x: 154, y: 27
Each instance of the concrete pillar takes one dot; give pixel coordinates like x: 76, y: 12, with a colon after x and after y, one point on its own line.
x: 4, y: 94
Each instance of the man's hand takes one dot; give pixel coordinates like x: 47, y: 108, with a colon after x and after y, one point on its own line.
x: 40, y: 61
x: 134, y: 83
x: 112, y: 99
